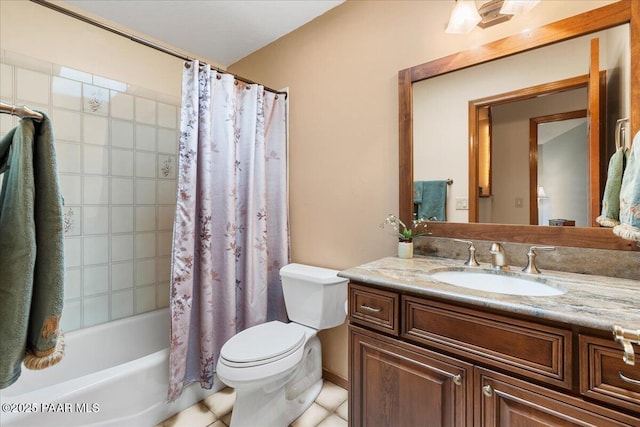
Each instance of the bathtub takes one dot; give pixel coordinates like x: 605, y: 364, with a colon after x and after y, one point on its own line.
x: 114, y: 374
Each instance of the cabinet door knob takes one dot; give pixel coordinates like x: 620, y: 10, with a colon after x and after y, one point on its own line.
x: 371, y: 309
x: 487, y: 391
x: 457, y: 379
x: 625, y: 378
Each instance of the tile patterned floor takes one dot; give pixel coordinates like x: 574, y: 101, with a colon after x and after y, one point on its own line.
x: 329, y: 410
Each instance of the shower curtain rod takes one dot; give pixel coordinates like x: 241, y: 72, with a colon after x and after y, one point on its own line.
x: 143, y: 41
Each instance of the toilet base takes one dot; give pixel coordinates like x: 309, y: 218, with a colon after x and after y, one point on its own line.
x: 281, y: 400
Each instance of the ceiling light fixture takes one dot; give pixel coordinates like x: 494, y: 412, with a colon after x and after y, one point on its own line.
x: 518, y: 7
x: 465, y: 15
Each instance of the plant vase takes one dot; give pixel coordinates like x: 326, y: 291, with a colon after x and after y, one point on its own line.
x: 405, y: 249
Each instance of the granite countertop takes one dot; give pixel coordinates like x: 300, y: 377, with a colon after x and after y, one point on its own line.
x: 597, y: 302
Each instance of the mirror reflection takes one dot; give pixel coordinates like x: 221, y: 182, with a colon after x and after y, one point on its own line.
x: 505, y: 181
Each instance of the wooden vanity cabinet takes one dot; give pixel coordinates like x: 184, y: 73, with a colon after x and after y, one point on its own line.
x: 418, y: 362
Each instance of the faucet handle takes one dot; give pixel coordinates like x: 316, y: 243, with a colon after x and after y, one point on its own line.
x: 471, y: 262
x: 531, y: 258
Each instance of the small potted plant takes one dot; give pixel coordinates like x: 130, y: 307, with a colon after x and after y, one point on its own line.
x: 405, y: 234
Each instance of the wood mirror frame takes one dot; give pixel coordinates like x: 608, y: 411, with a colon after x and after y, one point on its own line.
x: 622, y: 12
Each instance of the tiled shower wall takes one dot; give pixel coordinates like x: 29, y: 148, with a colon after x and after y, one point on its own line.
x: 116, y: 149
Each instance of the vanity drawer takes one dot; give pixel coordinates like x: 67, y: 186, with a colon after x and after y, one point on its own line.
x: 600, y: 365
x: 374, y: 308
x: 536, y: 351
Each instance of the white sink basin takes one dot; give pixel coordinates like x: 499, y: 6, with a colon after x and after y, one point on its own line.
x: 496, y: 282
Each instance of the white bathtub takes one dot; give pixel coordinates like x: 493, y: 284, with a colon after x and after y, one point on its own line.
x: 114, y: 374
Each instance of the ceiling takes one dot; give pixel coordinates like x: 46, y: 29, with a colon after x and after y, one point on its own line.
x: 218, y: 31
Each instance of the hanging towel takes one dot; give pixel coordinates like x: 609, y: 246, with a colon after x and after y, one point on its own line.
x: 610, y: 216
x: 417, y: 192
x: 31, y: 251
x: 433, y: 204
x: 629, y: 227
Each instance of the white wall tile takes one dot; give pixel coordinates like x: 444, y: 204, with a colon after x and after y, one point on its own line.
x: 96, y: 310
x: 68, y: 125
x: 121, y: 133
x: 121, y: 162
x: 71, y: 186
x: 162, y: 294
x: 146, y: 191
x: 163, y: 269
x: 122, y: 304
x: 71, y: 316
x: 96, y: 99
x: 32, y: 86
x: 110, y: 83
x: 164, y: 243
x: 165, y: 217
x: 95, y: 190
x: 96, y: 280
x: 95, y: 129
x: 6, y: 81
x: 66, y: 93
x: 167, y: 141
x: 146, y: 272
x: 122, y: 247
x: 145, y: 111
x: 121, y: 105
x: 145, y: 245
x: 72, y: 220
x: 95, y: 220
x: 72, y: 283
x: 145, y: 137
x: 167, y: 115
x: 145, y: 299
x: 122, y: 219
x: 166, y: 192
x: 145, y: 218
x: 96, y: 250
x: 68, y: 157
x: 96, y: 160
x: 167, y: 166
x: 71, y: 73
x: 145, y: 165
x: 122, y: 275
x: 7, y: 122
x: 72, y: 252
x: 121, y: 191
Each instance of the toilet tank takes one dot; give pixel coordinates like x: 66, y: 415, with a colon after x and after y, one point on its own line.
x: 314, y: 296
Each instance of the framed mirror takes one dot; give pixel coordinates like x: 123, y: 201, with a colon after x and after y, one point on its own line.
x: 598, y: 20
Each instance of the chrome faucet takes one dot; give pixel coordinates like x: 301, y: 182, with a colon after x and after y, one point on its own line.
x: 471, y: 261
x: 498, y: 257
x: 531, y: 258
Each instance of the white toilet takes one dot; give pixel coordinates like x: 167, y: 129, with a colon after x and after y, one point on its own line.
x: 275, y: 367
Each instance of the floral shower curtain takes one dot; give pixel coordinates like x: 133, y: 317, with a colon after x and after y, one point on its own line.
x: 231, y: 232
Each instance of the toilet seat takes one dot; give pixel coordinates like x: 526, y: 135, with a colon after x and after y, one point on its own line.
x: 262, y: 344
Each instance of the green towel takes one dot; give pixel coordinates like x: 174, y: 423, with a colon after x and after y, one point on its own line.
x: 610, y: 216
x: 629, y: 227
x: 433, y: 204
x: 31, y: 251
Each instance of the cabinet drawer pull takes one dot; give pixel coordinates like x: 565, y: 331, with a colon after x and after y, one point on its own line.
x: 625, y: 378
x: 487, y: 391
x: 457, y: 379
x: 371, y: 309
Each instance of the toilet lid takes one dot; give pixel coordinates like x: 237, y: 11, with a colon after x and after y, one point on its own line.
x: 262, y: 344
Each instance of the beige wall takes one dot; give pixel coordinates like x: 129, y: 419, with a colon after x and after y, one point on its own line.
x: 341, y: 70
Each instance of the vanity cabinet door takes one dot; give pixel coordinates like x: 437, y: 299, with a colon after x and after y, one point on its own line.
x: 505, y: 401
x: 394, y: 384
